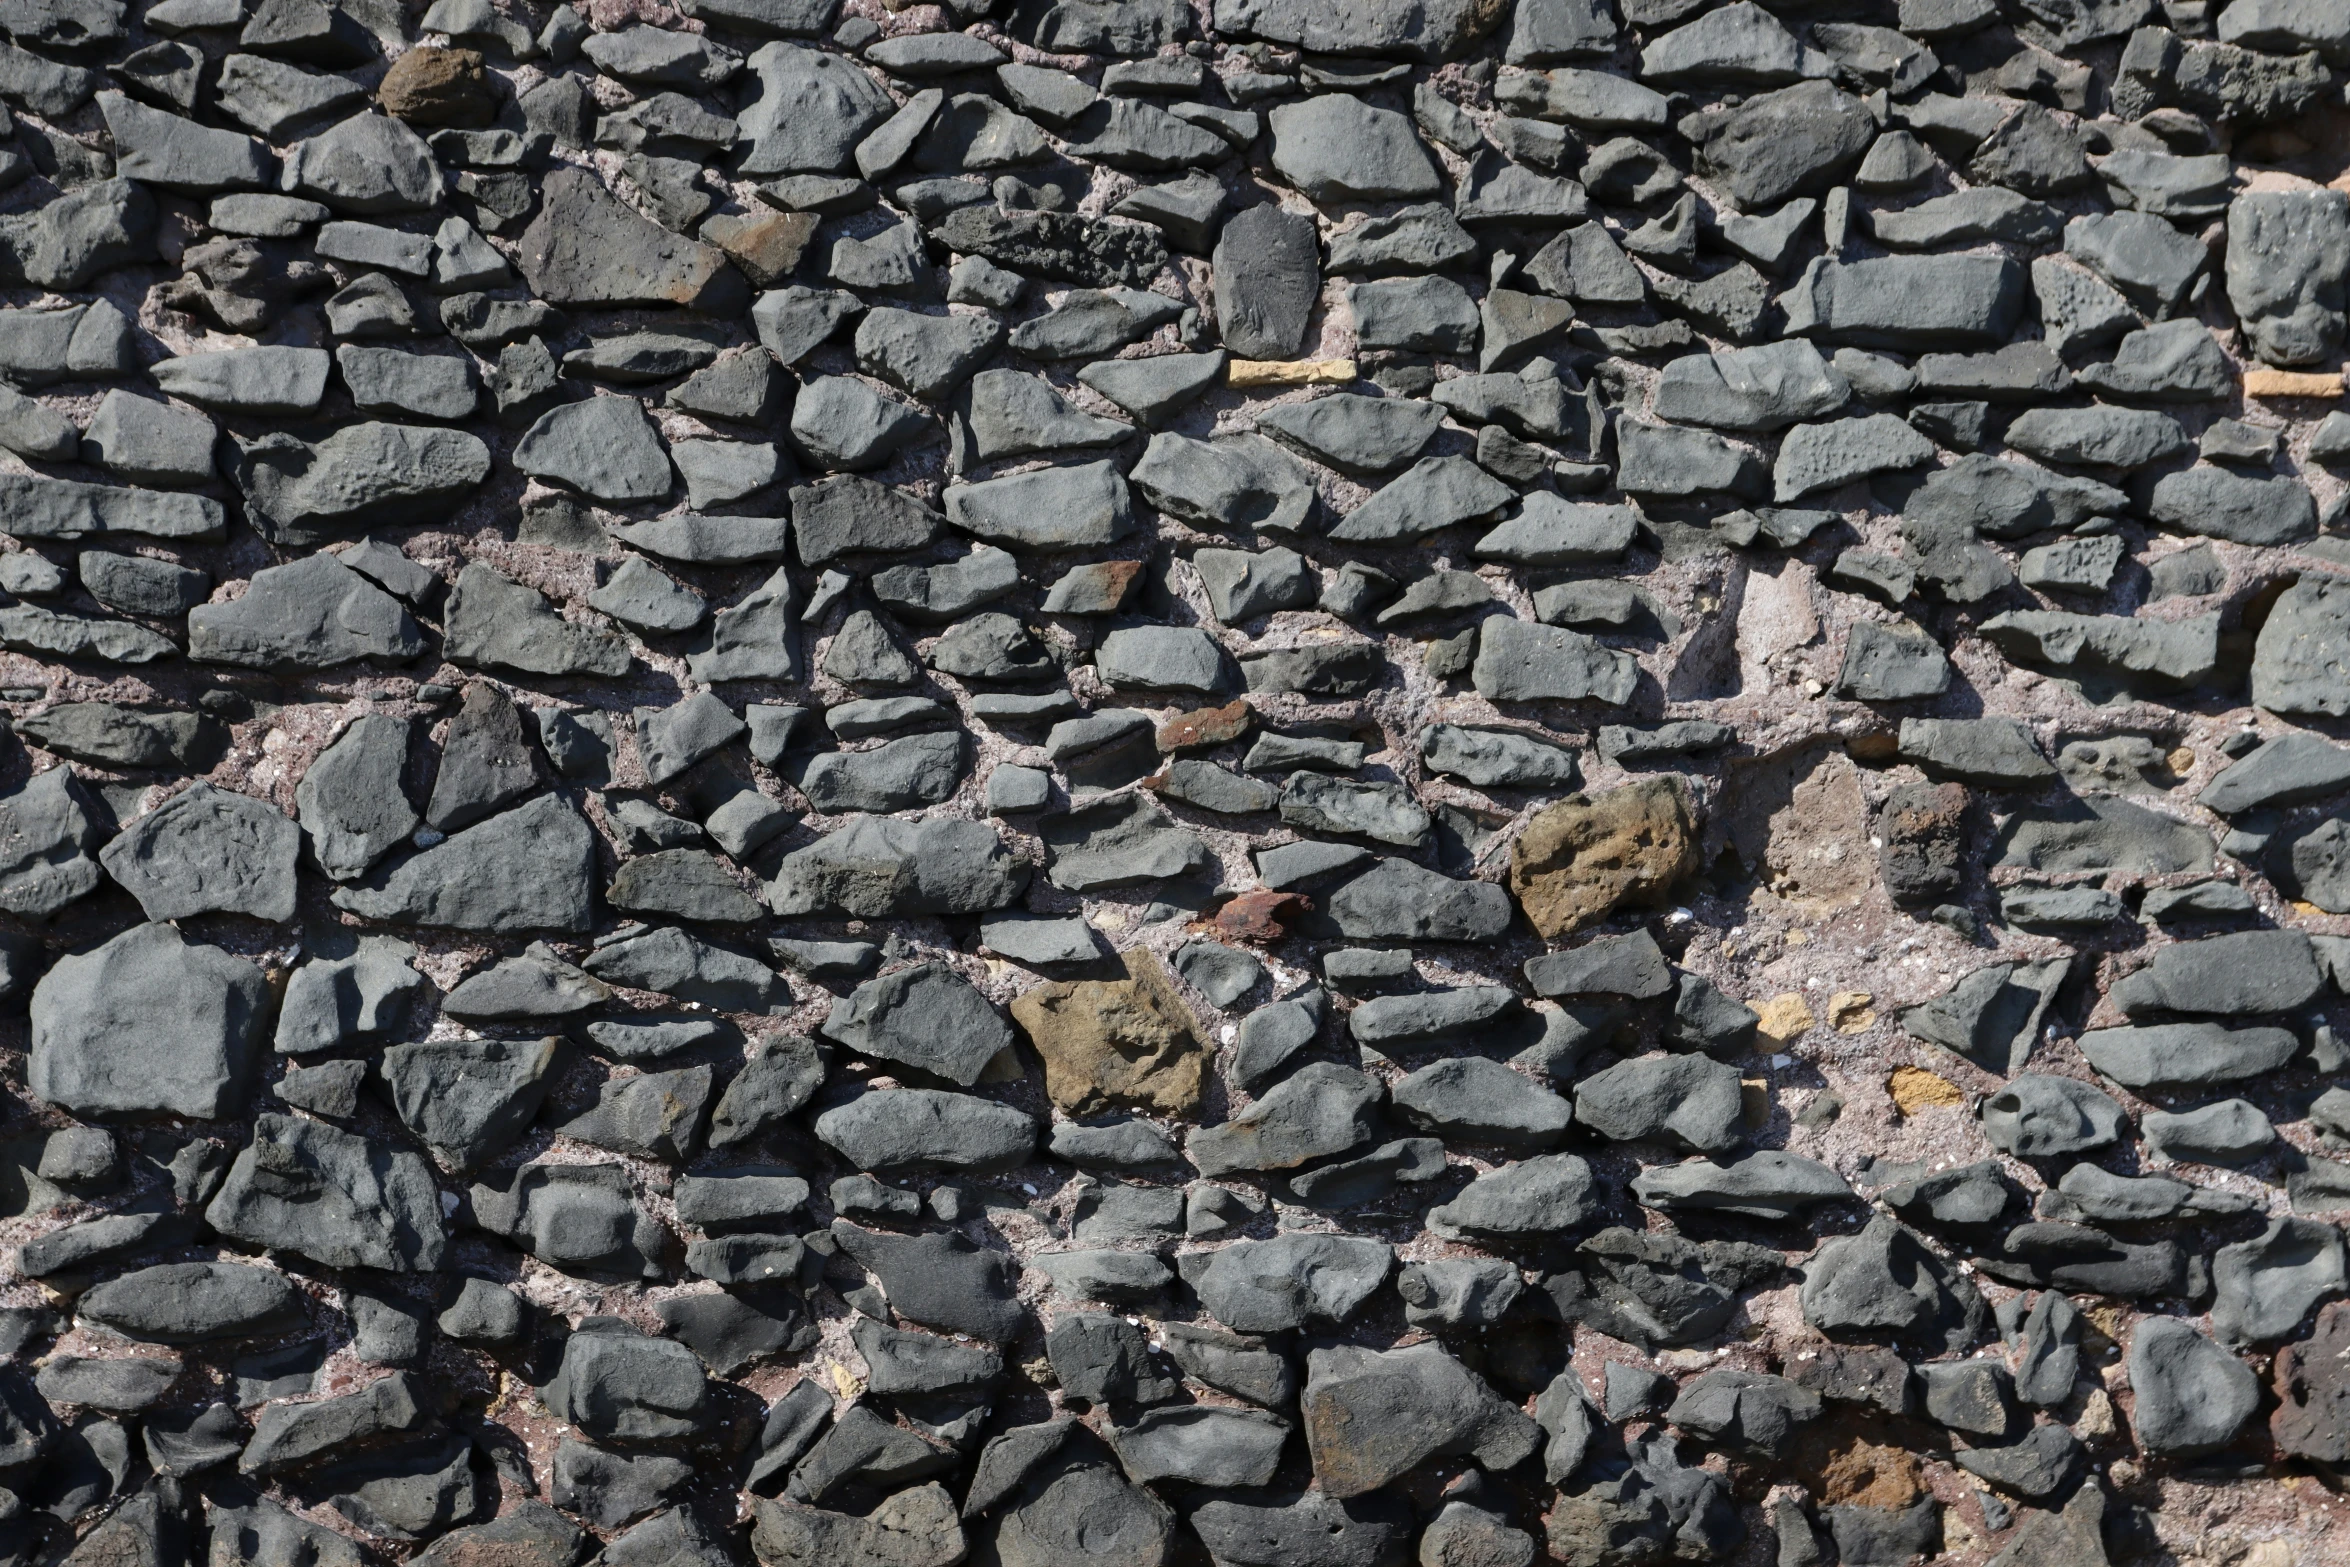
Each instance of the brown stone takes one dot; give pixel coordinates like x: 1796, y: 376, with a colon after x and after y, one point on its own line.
x: 1258, y: 916
x: 2312, y: 1418
x: 767, y: 245
x: 1203, y: 729
x: 1116, y: 1043
x: 1798, y: 814
x: 1851, y: 1460
x: 439, y: 87
x: 1580, y: 859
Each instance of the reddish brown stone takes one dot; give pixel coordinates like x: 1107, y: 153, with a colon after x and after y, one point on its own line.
x: 1258, y: 916
x: 439, y: 87
x: 2312, y: 1419
x: 1203, y: 729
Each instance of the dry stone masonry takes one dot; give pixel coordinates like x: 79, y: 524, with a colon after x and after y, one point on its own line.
x: 1174, y: 783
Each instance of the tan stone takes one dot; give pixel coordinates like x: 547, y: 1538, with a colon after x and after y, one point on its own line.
x: 1115, y: 1043
x: 1785, y: 1018
x: 1914, y: 1088
x: 2292, y: 383
x: 766, y: 245
x: 438, y: 87
x: 1849, y: 1012
x: 1587, y: 855
x: 1289, y: 372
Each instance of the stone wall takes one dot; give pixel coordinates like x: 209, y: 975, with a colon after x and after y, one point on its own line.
x: 1086, y: 783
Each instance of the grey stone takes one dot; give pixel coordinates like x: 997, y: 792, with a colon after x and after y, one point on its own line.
x: 1666, y: 460
x: 926, y: 1017
x: 1514, y: 1203
x: 615, y: 1384
x: 1051, y: 509
x: 1884, y: 1280
x: 332, y: 1196
x: 939, y: 1280
x: 1907, y: 302
x: 2288, y: 258
x: 1990, y: 752
x: 194, y: 1302
x: 2037, y: 1116
x: 1751, y: 388
x: 470, y: 1099
x: 2298, y: 658
x: 916, y: 1127
x: 1234, y: 482
x: 1268, y: 1286
x: 351, y: 802
x: 1687, y: 1101
x: 493, y: 622
x: 654, y: 1115
x: 51, y: 827
x: 1472, y: 1100
x: 312, y: 614
x: 1336, y: 148
x: 1518, y: 661
x: 1354, y: 433
x: 527, y: 869
x: 89, y: 1051
x: 1220, y: 973
x: 1762, y: 1185
x: 2236, y: 507
x: 1155, y: 387
x: 65, y: 509
x: 2186, y: 1053
x: 63, y: 245
x: 149, y: 442
x: 2232, y: 1131
x: 1991, y: 1016
x: 534, y: 984
x: 1428, y: 314
x: 2192, y: 1396
x: 362, y: 476
x: 678, y: 964
x: 580, y: 1218
x: 1491, y: 758
x: 2236, y: 975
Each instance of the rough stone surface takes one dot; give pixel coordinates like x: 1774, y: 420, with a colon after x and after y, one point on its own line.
x: 1575, y: 679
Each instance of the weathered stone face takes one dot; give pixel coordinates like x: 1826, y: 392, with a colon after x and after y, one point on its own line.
x: 1109, y: 1044
x: 1581, y: 859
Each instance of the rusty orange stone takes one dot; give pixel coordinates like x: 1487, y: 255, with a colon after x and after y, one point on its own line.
x: 1203, y: 729
x: 1258, y: 916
